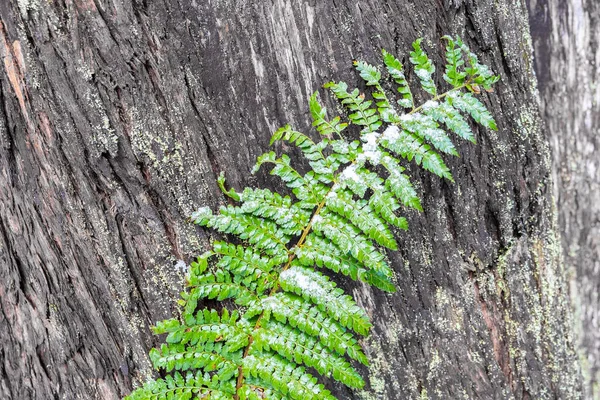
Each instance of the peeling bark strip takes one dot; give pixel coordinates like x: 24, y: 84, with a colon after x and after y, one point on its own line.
x: 116, y: 116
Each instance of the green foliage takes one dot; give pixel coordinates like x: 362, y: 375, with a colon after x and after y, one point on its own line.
x: 290, y: 319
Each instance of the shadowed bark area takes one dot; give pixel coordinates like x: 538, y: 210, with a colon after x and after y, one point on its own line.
x: 116, y: 117
x: 567, y: 48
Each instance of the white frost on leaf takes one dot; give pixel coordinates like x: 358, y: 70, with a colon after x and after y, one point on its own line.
x: 370, y: 148
x: 391, y: 134
x: 423, y: 74
x: 349, y: 174
x: 297, y: 278
x: 201, y: 212
x: 430, y: 104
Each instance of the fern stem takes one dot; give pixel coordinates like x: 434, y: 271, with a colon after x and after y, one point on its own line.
x: 305, y: 232
x: 440, y: 96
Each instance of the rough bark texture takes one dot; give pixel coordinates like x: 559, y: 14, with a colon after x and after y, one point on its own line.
x: 116, y: 116
x: 567, y: 48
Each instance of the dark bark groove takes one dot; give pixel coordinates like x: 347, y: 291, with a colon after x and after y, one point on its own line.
x: 116, y: 116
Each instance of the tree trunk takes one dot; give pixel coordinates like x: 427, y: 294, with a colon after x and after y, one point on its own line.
x: 117, y: 115
x: 567, y: 47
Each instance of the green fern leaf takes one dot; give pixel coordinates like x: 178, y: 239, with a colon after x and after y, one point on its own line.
x: 300, y: 348
x: 178, y: 387
x: 372, y: 76
x: 396, y: 71
x: 319, y: 116
x: 453, y: 75
x: 468, y: 103
x: 399, y: 183
x: 479, y: 74
x: 316, y: 287
x: 293, y: 310
x: 283, y: 376
x: 444, y: 112
x: 362, y: 217
x: 263, y: 234
x: 290, y: 218
x: 412, y: 147
x: 361, y: 113
x: 323, y: 253
x: 425, y: 127
x: 424, y: 68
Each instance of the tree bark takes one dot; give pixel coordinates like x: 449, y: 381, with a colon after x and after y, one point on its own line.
x: 567, y: 48
x: 116, y: 117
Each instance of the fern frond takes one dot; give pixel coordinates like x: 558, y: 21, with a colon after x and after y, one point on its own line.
x: 220, y: 285
x: 300, y: 348
x: 359, y: 179
x: 351, y: 240
x: 453, y: 75
x: 399, y: 183
x: 319, y: 116
x: 288, y: 308
x: 412, y: 147
x: 362, y: 217
x: 316, y: 287
x: 361, y: 113
x: 372, y: 76
x: 322, y: 169
x: 182, y: 358
x: 304, y: 189
x: 264, y: 234
x: 470, y: 104
x: 424, y: 68
x: 202, y: 327
x: 290, y: 218
x: 177, y: 386
x: 285, y: 377
x: 445, y: 113
x: 340, y: 216
x: 425, y: 127
x: 396, y: 71
x: 479, y: 74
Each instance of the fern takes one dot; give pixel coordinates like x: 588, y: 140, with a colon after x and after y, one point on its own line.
x: 290, y: 321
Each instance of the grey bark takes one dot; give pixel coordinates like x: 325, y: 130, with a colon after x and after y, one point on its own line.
x: 567, y: 48
x: 117, y: 115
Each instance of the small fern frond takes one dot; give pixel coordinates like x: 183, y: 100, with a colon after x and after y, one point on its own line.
x: 479, y: 74
x: 275, y: 372
x: 266, y: 235
x: 280, y: 209
x: 362, y: 217
x: 361, y: 113
x: 319, y: 116
x: 468, y: 103
x: 316, y: 287
x: 399, y: 183
x: 372, y: 77
x: 445, y: 113
x: 298, y: 347
x: 453, y: 75
x: 288, y: 308
x: 180, y: 387
x: 424, y: 68
x: 396, y: 71
x: 341, y: 215
x: 412, y: 147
